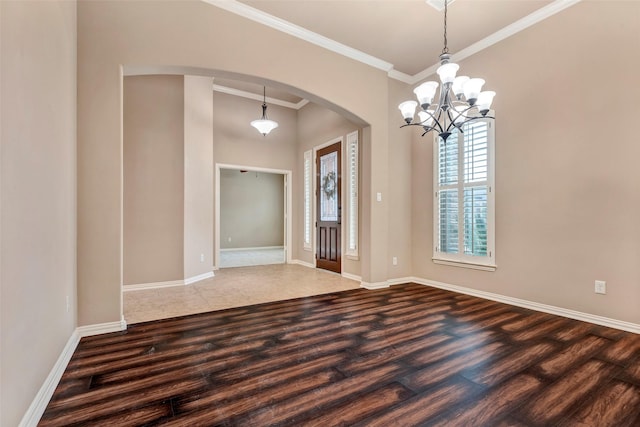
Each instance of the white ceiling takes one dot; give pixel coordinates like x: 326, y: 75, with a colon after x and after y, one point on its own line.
x: 402, y: 37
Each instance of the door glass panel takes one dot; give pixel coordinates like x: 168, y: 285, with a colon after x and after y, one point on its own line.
x: 329, y: 187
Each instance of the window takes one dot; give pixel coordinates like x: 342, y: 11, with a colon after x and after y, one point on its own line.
x: 308, y: 170
x: 464, y: 197
x: 352, y: 194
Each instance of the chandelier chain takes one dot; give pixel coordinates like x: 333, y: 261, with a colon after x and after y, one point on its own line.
x: 445, y: 50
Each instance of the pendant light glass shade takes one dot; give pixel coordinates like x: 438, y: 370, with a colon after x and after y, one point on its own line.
x: 264, y: 125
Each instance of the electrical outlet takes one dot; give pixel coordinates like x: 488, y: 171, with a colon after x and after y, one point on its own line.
x: 395, y: 260
x: 201, y: 257
x: 229, y: 239
x: 601, y: 287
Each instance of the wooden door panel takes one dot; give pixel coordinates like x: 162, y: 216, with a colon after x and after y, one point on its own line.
x: 329, y: 209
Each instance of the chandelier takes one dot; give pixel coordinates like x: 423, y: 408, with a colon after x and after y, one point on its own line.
x: 264, y: 125
x: 460, y: 100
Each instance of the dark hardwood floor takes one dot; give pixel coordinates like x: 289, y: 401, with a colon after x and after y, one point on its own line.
x: 403, y: 356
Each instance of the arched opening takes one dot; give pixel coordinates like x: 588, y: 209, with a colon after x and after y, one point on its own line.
x: 232, y: 130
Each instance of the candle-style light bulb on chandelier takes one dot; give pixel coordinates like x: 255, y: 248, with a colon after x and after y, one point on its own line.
x: 264, y: 125
x: 460, y: 100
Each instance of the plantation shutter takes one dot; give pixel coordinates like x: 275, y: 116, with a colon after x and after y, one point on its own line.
x: 448, y: 194
x: 352, y: 194
x: 476, y: 188
x: 307, y: 198
x: 462, y: 191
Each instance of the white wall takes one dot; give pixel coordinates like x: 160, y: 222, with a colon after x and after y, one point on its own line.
x: 38, y: 195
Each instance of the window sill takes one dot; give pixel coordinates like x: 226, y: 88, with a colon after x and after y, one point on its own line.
x: 353, y: 257
x: 307, y: 249
x: 462, y: 264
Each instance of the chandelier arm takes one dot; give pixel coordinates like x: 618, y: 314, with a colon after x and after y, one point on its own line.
x: 436, y: 121
x: 471, y: 119
x: 411, y: 124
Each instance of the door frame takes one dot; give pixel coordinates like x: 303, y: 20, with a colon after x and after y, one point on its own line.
x: 287, y: 207
x: 314, y: 206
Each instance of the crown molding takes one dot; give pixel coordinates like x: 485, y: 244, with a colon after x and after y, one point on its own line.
x: 332, y: 45
x: 256, y: 97
x: 274, y: 22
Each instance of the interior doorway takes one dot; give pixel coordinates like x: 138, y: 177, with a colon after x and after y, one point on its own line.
x: 252, y: 216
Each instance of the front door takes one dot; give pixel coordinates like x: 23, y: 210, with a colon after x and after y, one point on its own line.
x: 328, y: 249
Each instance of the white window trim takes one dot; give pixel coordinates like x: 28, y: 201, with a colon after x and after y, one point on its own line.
x: 352, y: 251
x: 307, y: 233
x: 461, y: 260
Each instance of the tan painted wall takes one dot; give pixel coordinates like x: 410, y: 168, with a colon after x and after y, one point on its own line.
x: 153, y: 179
x: 567, y: 178
x: 38, y: 196
x: 251, y: 209
x: 181, y: 33
x: 238, y: 143
x: 400, y: 186
x: 316, y: 126
x: 198, y: 176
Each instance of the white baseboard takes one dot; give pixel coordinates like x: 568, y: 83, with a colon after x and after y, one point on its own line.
x: 169, y: 284
x: 401, y: 280
x: 558, y: 311
x: 101, y: 328
x: 198, y: 278
x: 154, y: 285
x: 258, y: 248
x: 40, y: 402
x: 351, y: 276
x: 302, y: 263
x: 374, y: 285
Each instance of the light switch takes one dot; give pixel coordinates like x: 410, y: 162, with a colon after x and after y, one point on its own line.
x: 379, y: 197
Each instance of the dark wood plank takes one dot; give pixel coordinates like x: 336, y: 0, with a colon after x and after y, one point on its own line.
x: 616, y: 405
x: 404, y: 355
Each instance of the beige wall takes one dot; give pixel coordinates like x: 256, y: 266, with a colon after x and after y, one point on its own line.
x: 38, y: 196
x: 400, y: 186
x: 154, y: 209
x: 547, y: 118
x: 567, y: 192
x: 181, y: 33
x: 236, y: 142
x: 198, y: 176
x: 251, y: 209
x: 316, y: 126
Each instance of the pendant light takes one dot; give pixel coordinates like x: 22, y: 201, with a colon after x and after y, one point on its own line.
x: 264, y: 125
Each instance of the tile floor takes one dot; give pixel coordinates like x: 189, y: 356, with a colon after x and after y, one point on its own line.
x: 232, y: 287
x: 247, y: 258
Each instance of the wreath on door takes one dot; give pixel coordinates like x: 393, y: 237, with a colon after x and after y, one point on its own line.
x: 329, y: 184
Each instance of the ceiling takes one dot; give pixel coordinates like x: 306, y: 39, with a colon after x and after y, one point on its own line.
x: 402, y: 37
